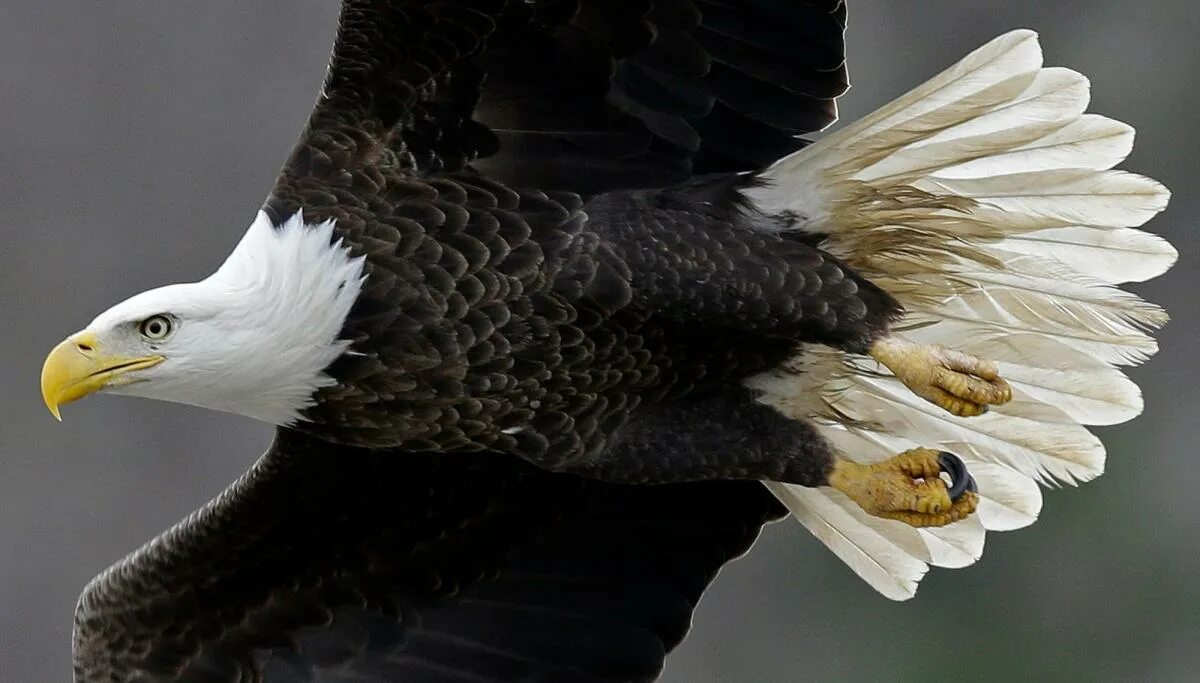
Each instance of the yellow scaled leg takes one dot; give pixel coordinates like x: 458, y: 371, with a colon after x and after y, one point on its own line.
x: 958, y: 382
x: 909, y: 488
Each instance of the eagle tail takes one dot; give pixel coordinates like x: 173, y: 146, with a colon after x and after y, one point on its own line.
x: 983, y: 201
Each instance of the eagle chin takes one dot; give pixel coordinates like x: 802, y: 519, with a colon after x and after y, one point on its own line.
x: 254, y: 338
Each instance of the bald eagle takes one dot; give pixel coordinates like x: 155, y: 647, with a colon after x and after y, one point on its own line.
x: 588, y: 236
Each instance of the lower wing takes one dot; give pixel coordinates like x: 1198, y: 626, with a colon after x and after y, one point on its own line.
x: 327, y: 563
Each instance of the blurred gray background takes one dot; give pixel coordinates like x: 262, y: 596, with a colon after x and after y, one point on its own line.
x: 138, y: 138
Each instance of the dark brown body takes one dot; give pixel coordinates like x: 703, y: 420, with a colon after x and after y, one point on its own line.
x: 537, y: 325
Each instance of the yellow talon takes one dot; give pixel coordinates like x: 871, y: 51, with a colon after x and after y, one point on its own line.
x: 907, y: 487
x: 958, y: 382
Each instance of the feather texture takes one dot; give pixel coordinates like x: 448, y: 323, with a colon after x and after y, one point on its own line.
x: 873, y: 551
x: 1108, y: 255
x: 983, y: 201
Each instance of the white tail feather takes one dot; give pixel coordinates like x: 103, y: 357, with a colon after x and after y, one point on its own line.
x: 1089, y: 141
x: 857, y: 538
x: 1108, y: 255
x: 983, y: 201
x: 957, y: 545
x: 1083, y: 196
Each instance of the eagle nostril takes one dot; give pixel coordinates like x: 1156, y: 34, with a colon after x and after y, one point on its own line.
x: 83, y: 347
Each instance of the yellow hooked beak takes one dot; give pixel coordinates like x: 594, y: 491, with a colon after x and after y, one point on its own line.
x: 78, y: 367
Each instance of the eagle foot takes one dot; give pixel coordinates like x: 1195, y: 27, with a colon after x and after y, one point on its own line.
x: 909, y: 487
x: 958, y: 382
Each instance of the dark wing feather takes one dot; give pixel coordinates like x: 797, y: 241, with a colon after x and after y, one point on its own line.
x: 577, y: 95
x: 656, y: 82
x: 332, y: 564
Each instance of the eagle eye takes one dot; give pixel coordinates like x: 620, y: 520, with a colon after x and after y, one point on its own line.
x: 156, y: 327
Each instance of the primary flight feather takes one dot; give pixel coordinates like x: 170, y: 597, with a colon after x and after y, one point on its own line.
x: 542, y: 228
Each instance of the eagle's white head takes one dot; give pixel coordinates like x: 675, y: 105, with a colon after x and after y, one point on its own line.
x: 254, y: 338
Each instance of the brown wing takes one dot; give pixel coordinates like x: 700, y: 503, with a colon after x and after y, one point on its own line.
x: 333, y: 564
x: 578, y: 95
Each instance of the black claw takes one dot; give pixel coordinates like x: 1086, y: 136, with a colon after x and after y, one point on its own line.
x: 961, y: 480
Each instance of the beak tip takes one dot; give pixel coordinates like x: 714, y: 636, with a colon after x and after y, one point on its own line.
x: 53, y: 406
